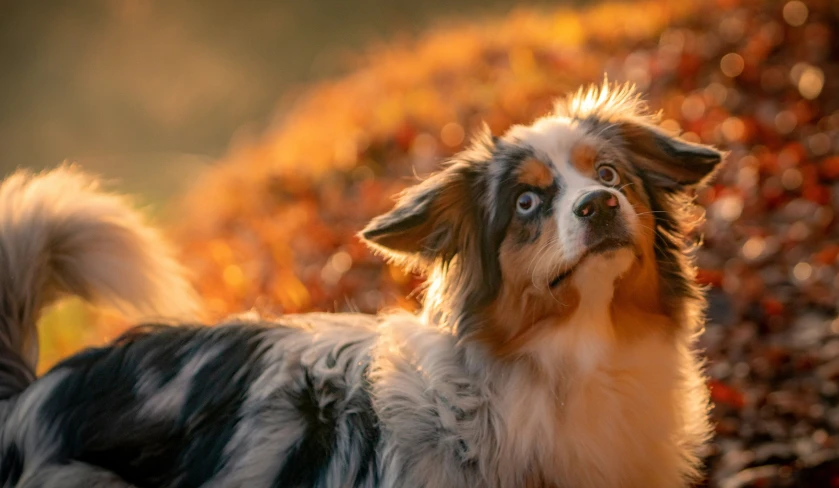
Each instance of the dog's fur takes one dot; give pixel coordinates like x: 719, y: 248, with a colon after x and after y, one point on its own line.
x: 553, y: 350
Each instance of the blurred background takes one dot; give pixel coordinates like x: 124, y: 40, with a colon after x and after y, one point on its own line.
x: 263, y: 135
x: 149, y: 91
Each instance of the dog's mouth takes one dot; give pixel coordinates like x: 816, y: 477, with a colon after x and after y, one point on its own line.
x: 605, y: 245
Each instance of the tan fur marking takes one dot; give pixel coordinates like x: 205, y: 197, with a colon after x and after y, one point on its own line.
x: 522, y: 312
x: 451, y: 207
x: 637, y: 309
x: 536, y: 173
x: 583, y: 157
x: 454, y: 206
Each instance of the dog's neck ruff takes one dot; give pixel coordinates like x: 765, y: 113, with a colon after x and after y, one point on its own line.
x: 578, y: 409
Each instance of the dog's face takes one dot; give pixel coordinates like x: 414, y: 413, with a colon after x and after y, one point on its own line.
x: 579, y: 210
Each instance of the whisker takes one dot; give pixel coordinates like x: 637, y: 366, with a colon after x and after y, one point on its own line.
x: 624, y: 186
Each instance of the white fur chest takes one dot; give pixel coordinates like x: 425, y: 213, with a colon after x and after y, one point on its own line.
x: 631, y: 418
x: 616, y: 425
x: 601, y: 411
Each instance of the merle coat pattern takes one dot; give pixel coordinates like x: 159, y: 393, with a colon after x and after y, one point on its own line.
x: 531, y: 364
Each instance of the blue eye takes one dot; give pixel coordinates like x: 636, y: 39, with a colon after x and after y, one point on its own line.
x: 527, y: 203
x: 608, y: 175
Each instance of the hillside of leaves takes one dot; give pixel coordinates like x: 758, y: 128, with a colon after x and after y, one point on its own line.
x: 273, y: 226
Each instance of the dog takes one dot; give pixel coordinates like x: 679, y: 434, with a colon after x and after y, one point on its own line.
x: 555, y: 346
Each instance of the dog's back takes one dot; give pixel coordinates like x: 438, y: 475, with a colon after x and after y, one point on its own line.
x: 240, y: 404
x: 245, y: 403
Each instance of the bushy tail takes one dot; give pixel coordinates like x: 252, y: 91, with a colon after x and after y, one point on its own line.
x: 60, y: 234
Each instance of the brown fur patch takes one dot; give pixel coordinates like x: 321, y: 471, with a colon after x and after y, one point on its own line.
x: 637, y: 309
x: 522, y: 313
x: 583, y: 157
x: 671, y: 158
x: 412, y: 228
x: 535, y: 173
x: 520, y: 319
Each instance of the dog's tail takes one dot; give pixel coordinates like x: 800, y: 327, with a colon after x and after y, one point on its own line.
x: 60, y: 234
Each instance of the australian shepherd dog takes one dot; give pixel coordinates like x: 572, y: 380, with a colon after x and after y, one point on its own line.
x: 555, y: 346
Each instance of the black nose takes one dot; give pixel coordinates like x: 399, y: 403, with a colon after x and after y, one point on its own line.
x: 599, y: 203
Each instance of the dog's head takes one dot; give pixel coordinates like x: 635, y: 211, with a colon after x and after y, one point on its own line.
x: 582, y: 212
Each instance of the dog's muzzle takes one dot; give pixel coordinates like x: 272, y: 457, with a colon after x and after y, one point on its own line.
x: 599, y: 210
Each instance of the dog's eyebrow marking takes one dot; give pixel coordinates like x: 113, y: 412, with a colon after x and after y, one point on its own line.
x: 170, y: 397
x: 583, y: 156
x: 535, y: 173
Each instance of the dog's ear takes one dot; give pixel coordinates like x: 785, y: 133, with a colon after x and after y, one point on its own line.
x: 670, y: 163
x: 430, y: 221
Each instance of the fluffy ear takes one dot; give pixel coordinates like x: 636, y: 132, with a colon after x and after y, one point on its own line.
x: 430, y: 220
x: 670, y: 162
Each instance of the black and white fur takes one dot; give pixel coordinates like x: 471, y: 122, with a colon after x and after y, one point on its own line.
x: 335, y: 400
